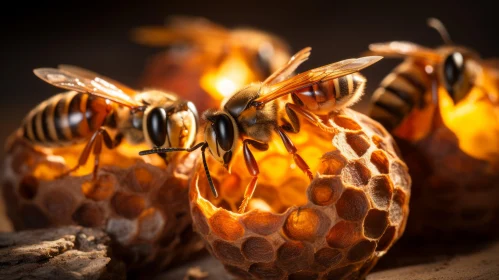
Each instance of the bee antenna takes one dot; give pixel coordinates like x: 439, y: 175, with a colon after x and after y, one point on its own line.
x: 440, y: 28
x: 169, y: 150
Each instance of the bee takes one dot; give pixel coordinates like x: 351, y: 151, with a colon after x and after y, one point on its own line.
x: 250, y: 116
x: 412, y: 86
x: 226, y: 59
x: 96, y: 106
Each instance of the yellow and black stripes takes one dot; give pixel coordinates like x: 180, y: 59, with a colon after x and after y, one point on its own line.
x: 400, y: 92
x: 65, y: 118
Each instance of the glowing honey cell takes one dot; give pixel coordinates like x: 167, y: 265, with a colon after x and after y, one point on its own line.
x: 200, y: 221
x: 123, y: 230
x: 102, y: 189
x: 143, y: 179
x: 303, y: 275
x: 352, y: 205
x: 375, y: 223
x: 257, y: 249
x: 346, y: 122
x: 325, y: 190
x: 305, y: 224
x: 386, y: 240
x: 151, y: 223
x: 33, y: 217
x: 293, y: 255
x: 28, y: 187
x: 89, y: 214
x: 128, y: 205
x: 263, y: 223
x: 226, y: 226
x: 227, y: 252
x: 292, y: 191
x: 380, y: 188
x: 361, y: 250
x: 332, y: 163
x: 328, y: 257
x: 266, y: 271
x: 228, y: 188
x: 358, y: 142
x: 356, y: 173
x: 379, y: 159
x: 340, y: 273
x: 58, y: 203
x: 344, y: 234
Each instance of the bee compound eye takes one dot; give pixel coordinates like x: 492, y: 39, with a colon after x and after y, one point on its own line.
x: 224, y: 131
x: 453, y: 69
x: 156, y: 126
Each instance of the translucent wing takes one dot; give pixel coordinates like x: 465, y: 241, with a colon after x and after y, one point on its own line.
x: 317, y: 75
x: 287, y: 70
x: 83, y: 82
x: 404, y: 49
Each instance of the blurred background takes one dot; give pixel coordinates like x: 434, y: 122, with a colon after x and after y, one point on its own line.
x: 95, y: 35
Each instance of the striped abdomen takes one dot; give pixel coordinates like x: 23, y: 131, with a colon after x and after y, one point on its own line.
x: 399, y: 93
x: 66, y: 118
x: 322, y: 98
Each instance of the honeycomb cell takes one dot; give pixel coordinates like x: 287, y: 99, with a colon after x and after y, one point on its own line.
x: 380, y: 189
x: 128, y: 205
x: 89, y: 214
x: 358, y: 142
x: 352, y: 205
x: 266, y: 271
x: 200, y: 220
x: 356, y: 173
x: 340, y: 273
x: 22, y: 161
x: 332, y: 163
x: 375, y: 223
x: 344, y: 234
x: 229, y: 188
x: 227, y: 252
x: 226, y: 226
x: 257, y: 249
x: 33, y: 217
x: 325, y: 190
x: 151, y: 223
x: 263, y: 223
x: 379, y: 159
x: 293, y: 189
x: 123, y: 230
x: 328, y: 257
x: 303, y: 275
x: 306, y: 224
x: 400, y: 176
x: 102, y: 189
x: 58, y: 203
x: 293, y: 256
x: 28, y: 187
x: 238, y: 272
x: 361, y: 250
x: 386, y: 240
x: 141, y: 178
x: 397, y: 207
x: 346, y: 122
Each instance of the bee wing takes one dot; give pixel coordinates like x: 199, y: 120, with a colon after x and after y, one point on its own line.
x: 287, y: 70
x: 87, y: 82
x: 317, y: 75
x: 404, y: 49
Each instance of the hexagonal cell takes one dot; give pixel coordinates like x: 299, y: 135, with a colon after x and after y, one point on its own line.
x: 325, y: 190
x: 352, y: 205
x: 332, y: 163
x: 227, y: 252
x: 257, y: 249
x: 266, y: 271
x: 306, y: 224
x: 340, y: 273
x: 346, y: 122
x: 141, y: 179
x: 33, y: 217
x: 328, y: 257
x: 123, y: 230
x: 89, y: 214
x: 102, y: 189
x: 28, y: 187
x: 379, y: 159
x: 303, y: 275
x: 380, y: 189
x: 362, y: 250
x: 400, y: 175
x: 344, y: 234
x: 238, y: 272
x: 263, y: 223
x: 128, y: 205
x: 397, y: 207
x: 59, y: 204
x: 294, y: 255
x: 230, y: 187
x: 226, y: 226
x: 199, y: 220
x: 386, y: 240
x: 151, y: 224
x: 375, y: 223
x: 356, y: 173
x: 358, y: 142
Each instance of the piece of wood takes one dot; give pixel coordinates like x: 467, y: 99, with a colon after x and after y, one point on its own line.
x: 58, y: 253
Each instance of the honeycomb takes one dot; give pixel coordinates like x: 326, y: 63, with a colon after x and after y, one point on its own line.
x: 141, y: 205
x: 335, y: 227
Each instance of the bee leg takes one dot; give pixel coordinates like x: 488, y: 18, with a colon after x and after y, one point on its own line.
x: 253, y: 169
x: 293, y: 151
x: 292, y: 110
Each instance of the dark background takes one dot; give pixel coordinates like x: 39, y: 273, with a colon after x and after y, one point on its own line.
x: 95, y: 35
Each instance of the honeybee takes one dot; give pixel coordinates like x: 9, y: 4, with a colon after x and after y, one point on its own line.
x: 96, y: 105
x: 225, y: 59
x: 250, y: 116
x: 413, y: 85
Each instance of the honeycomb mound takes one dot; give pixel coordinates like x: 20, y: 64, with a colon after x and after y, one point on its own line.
x: 142, y: 206
x: 335, y: 227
